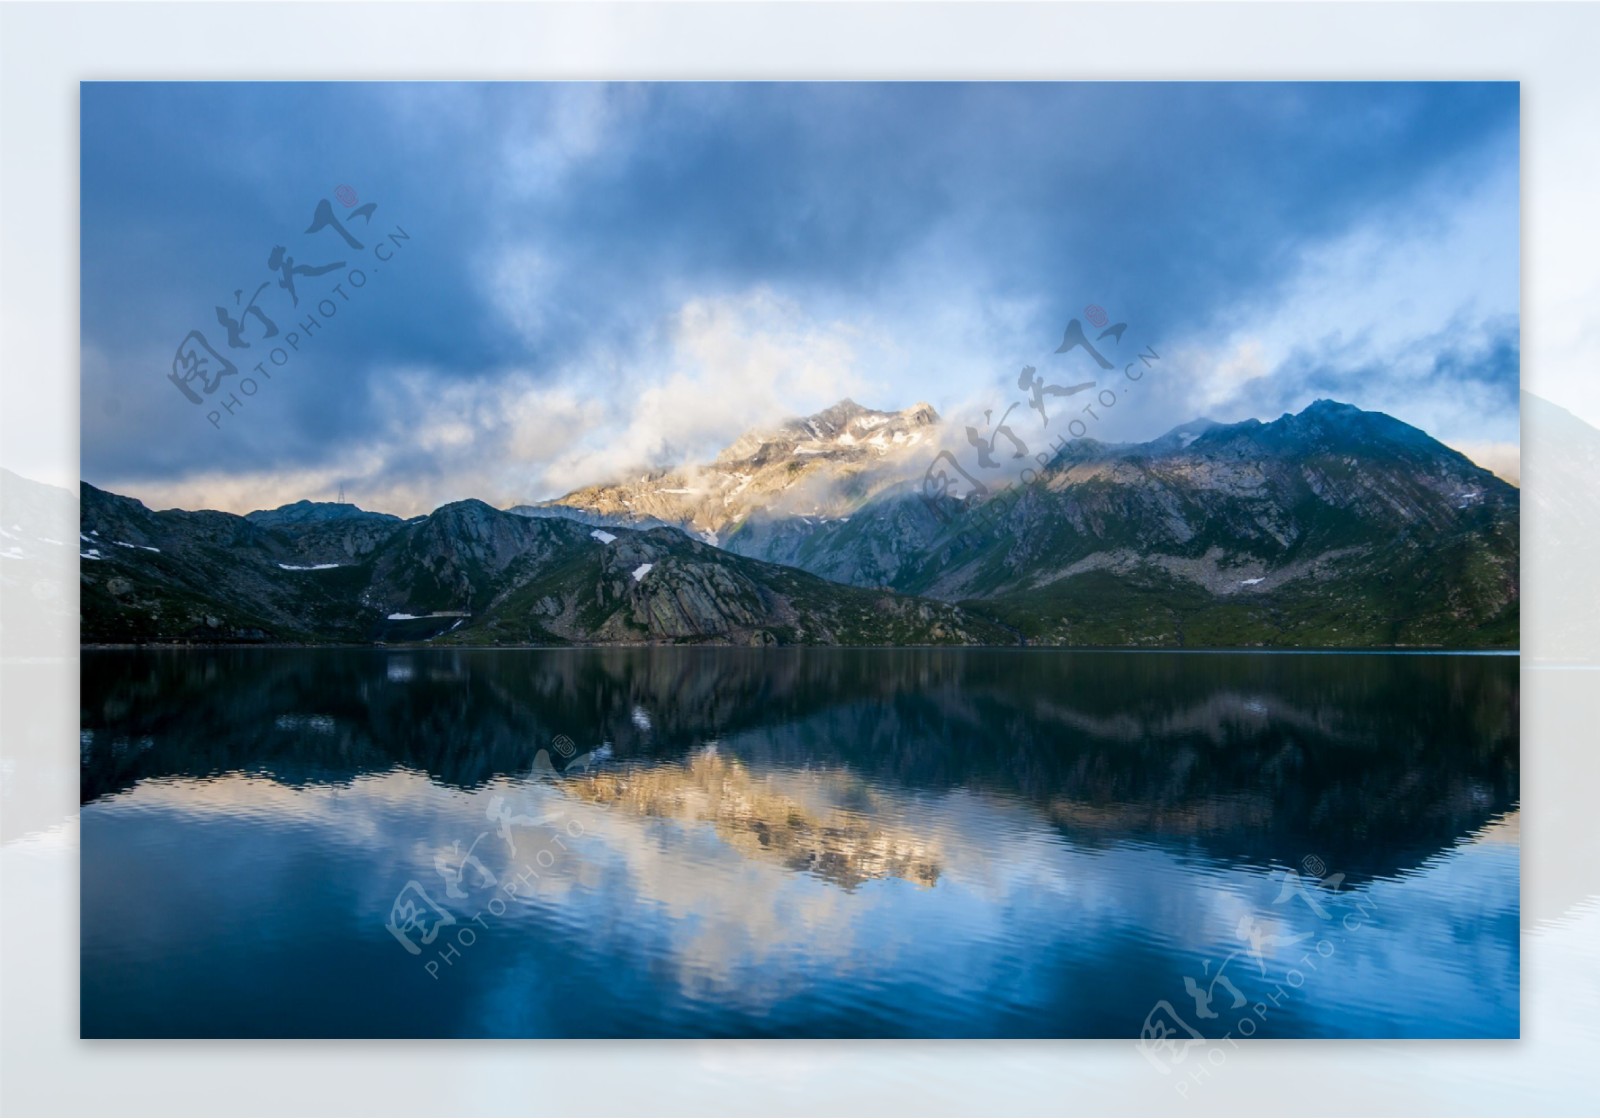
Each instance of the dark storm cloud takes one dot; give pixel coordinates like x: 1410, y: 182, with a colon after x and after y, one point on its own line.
x: 560, y: 227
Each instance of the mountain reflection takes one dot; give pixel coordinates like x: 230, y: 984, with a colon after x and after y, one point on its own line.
x: 758, y: 821
x: 1374, y: 763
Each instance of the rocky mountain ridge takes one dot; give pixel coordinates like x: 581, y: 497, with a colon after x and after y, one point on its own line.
x: 1330, y: 527
x: 1333, y: 526
x: 466, y: 573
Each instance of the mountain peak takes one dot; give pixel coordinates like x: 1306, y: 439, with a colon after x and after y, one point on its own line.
x: 1346, y: 421
x: 1325, y: 406
x: 840, y: 427
x: 308, y: 512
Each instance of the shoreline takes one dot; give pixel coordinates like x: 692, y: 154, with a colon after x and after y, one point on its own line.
x: 1396, y: 650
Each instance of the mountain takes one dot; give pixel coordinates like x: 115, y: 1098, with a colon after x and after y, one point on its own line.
x: 808, y: 470
x: 1331, y: 527
x: 466, y: 573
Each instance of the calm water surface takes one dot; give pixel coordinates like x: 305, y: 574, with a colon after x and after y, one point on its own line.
x: 601, y: 843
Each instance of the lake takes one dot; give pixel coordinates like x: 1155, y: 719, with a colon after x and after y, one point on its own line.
x: 1179, y: 847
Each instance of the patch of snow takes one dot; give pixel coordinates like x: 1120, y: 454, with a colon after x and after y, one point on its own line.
x: 710, y: 536
x: 1251, y: 582
x: 125, y: 544
x: 677, y: 491
x: 813, y: 450
x: 1186, y: 437
x: 603, y: 537
x: 867, y: 423
x: 641, y: 571
x: 312, y: 567
x: 405, y: 617
x: 92, y: 553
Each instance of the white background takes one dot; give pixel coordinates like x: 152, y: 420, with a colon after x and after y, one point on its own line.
x: 46, y: 51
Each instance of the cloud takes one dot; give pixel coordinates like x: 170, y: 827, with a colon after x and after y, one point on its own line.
x: 510, y: 436
x: 1414, y: 315
x: 559, y: 128
x: 731, y: 364
x: 609, y: 274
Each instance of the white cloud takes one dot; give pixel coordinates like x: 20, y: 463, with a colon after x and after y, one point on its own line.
x: 505, y: 437
x: 731, y: 364
x: 520, y: 290
x: 1391, y: 295
x: 1232, y: 373
x: 560, y: 130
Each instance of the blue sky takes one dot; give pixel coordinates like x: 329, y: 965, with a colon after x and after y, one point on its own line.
x: 595, y: 277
